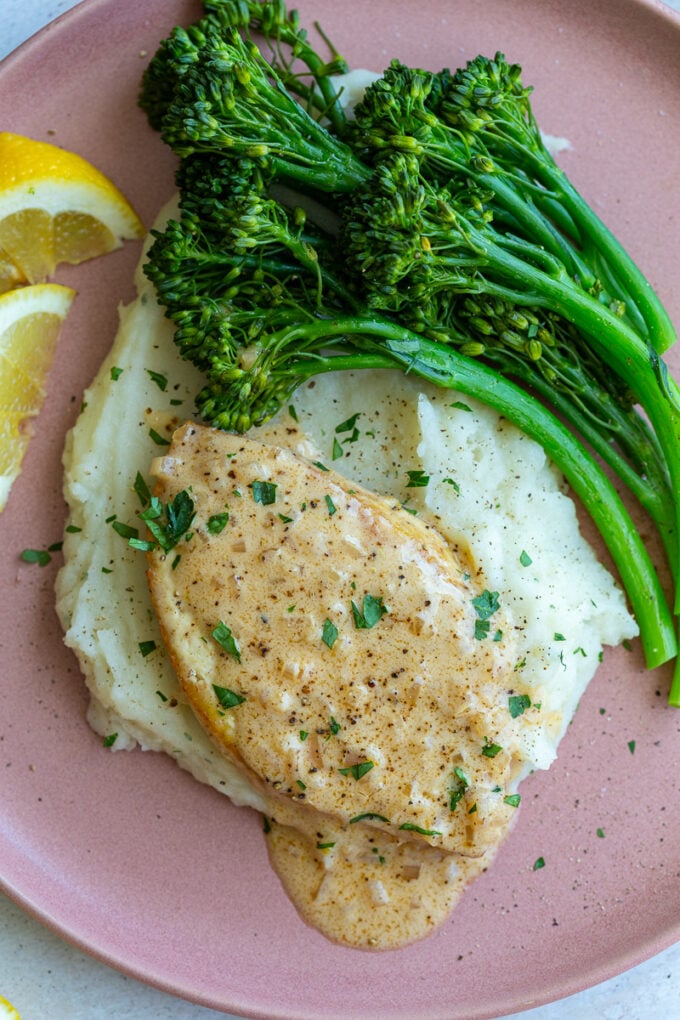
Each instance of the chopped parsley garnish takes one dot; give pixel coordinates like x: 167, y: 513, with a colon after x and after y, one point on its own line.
x: 216, y: 523
x: 264, y: 492
x: 116, y: 373
x: 372, y: 610
x: 417, y: 479
x: 147, y: 647
x: 329, y: 633
x: 227, y: 698
x: 332, y: 508
x: 39, y: 556
x: 110, y: 740
x: 162, y: 696
x: 458, y: 788
x: 72, y: 529
x: 558, y: 637
x: 319, y: 465
x: 337, y: 450
x: 490, y: 750
x: 600, y: 833
x: 349, y: 424
x: 325, y: 846
x: 539, y: 863
x: 512, y: 799
x: 410, y: 827
x: 461, y: 406
x: 357, y: 771
x: 125, y: 530
x: 482, y: 628
x: 158, y: 439
x: 303, y: 786
x: 454, y: 485
x: 368, y: 815
x: 284, y: 519
x: 225, y: 639
x: 303, y: 735
x: 169, y: 522
x: 142, y: 489
x: 631, y: 746
x: 292, y: 412
x: 334, y: 728
x: 485, y: 606
x: 160, y: 380
x: 518, y: 704
x: 525, y: 559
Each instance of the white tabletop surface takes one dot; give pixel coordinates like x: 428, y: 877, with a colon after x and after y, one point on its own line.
x: 45, y: 977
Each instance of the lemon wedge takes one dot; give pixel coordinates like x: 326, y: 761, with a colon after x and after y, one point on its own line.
x: 55, y: 207
x: 30, y: 320
x: 7, y: 1010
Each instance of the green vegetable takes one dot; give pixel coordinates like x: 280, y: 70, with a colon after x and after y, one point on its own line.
x: 225, y: 639
x: 372, y: 610
x: 227, y: 698
x: 357, y: 771
x: 329, y: 633
x: 451, y: 246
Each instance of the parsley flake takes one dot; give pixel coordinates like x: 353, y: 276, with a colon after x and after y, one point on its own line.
x: 39, y: 556
x: 417, y: 479
x: 518, y: 703
x: 329, y: 633
x: 216, y: 523
x: 158, y: 439
x: 264, y: 492
x: 458, y: 788
x: 357, y: 771
x: 227, y: 698
x: 410, y: 827
x: 160, y: 380
x: 372, y: 610
x: 225, y: 639
x: 168, y: 523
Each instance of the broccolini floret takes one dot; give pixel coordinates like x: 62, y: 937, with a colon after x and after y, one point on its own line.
x: 433, y: 233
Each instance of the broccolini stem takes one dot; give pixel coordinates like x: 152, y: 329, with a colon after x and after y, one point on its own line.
x: 618, y: 345
x: 447, y: 368
x: 659, y: 325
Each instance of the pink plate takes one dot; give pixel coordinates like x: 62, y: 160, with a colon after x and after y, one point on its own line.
x: 131, y: 859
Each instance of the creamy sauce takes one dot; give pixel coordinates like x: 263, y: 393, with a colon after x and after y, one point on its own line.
x: 329, y: 642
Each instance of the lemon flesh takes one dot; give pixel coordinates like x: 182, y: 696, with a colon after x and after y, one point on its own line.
x: 30, y: 320
x: 55, y: 207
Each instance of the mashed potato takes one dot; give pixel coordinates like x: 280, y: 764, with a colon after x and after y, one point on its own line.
x: 490, y: 489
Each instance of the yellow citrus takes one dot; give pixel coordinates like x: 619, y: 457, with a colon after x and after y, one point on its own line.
x: 55, y: 207
x: 7, y: 1010
x: 30, y: 320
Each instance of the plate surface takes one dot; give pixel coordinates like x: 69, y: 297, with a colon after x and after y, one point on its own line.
x: 127, y: 856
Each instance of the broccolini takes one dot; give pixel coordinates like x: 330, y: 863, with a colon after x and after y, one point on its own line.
x: 432, y: 233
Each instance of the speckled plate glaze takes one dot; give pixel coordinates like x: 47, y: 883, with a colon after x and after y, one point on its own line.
x: 131, y: 859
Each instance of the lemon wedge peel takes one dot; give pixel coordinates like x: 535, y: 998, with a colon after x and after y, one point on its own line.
x: 30, y: 321
x: 7, y: 1010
